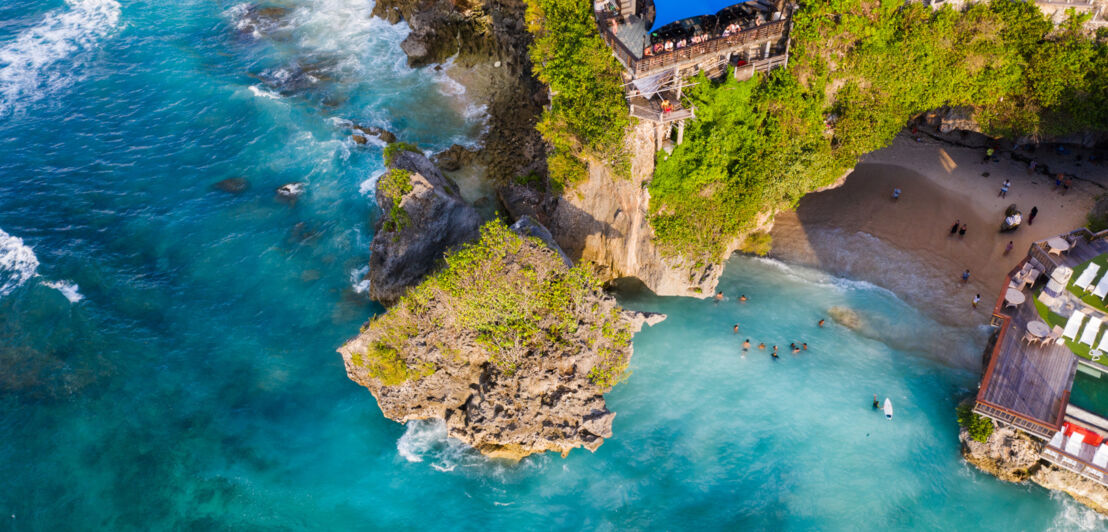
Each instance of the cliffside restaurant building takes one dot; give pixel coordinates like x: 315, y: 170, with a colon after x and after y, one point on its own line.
x: 1046, y: 372
x: 661, y: 43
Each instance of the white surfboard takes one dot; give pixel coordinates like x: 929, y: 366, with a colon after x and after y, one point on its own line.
x: 888, y: 408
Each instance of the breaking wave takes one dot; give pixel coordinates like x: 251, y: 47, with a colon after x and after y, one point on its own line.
x: 33, y: 65
x: 18, y: 263
x: 67, y: 288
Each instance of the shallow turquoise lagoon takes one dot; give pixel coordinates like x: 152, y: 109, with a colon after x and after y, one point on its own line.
x: 167, y: 349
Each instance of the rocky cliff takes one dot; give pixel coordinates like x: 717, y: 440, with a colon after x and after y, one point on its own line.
x: 509, y: 344
x: 422, y: 216
x: 605, y: 220
x: 1013, y: 456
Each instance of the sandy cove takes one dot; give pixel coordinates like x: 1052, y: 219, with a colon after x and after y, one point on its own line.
x: 858, y: 231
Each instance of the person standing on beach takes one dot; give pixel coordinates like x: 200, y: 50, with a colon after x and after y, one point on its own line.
x: 1008, y: 248
x: 1031, y: 217
x: 896, y: 194
x: 988, y: 155
x: 954, y: 228
x: 976, y: 300
x: 1004, y: 188
x: 965, y: 277
x: 962, y: 231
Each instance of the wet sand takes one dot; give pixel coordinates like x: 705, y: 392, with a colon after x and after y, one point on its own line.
x: 858, y: 231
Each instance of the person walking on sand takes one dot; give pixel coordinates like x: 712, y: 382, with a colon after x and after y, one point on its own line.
x: 954, y: 228
x: 965, y: 277
x: 976, y: 300
x: 962, y: 231
x: 1031, y: 217
x: 1008, y: 248
x: 988, y: 155
x: 896, y: 194
x: 1004, y: 188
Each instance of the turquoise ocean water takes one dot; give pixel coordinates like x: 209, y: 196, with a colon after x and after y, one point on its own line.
x: 167, y: 349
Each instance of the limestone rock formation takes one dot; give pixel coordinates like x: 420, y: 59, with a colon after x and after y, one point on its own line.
x: 422, y: 216
x: 1013, y: 456
x: 509, y: 345
x: 605, y: 220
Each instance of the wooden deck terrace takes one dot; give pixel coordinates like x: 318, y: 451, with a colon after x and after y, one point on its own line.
x: 652, y: 110
x: 1028, y: 386
x: 639, y: 66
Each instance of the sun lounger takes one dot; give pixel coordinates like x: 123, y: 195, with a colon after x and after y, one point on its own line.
x: 1085, y: 281
x: 1074, y: 444
x: 1058, y: 439
x: 1092, y: 329
x: 1073, y: 325
x: 1103, y: 345
x: 1101, y: 287
x: 1100, y: 459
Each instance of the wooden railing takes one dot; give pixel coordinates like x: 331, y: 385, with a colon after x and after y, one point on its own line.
x: 1075, y: 464
x: 647, y: 113
x: 640, y: 66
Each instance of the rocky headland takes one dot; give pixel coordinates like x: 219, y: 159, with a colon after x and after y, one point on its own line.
x: 509, y: 344
x: 1013, y: 456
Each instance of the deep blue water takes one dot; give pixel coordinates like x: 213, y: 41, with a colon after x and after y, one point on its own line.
x: 167, y: 349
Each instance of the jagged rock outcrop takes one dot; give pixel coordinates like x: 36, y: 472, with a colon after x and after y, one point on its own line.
x: 509, y: 345
x: 422, y: 216
x: 605, y: 220
x: 1013, y: 456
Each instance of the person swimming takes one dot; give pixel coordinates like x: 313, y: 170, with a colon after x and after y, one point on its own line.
x: 795, y: 349
x: 876, y: 404
x: 735, y: 329
x: 746, y: 345
x: 719, y: 296
x: 742, y: 298
x: 821, y: 323
x: 762, y: 345
x: 775, y: 352
x: 804, y: 346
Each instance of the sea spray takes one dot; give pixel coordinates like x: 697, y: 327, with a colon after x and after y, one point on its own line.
x: 18, y: 263
x: 46, y: 57
x: 69, y: 289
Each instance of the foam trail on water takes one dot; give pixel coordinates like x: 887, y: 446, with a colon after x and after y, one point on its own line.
x: 67, y: 288
x: 33, y: 64
x: 264, y: 93
x: 358, y: 280
x: 17, y: 263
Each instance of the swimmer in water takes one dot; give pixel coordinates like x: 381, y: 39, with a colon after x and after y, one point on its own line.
x: 719, y: 296
x: 735, y: 329
x: 762, y: 345
x: 795, y: 349
x: 775, y: 352
x: 804, y: 346
x: 742, y: 298
x: 876, y: 405
x: 821, y: 323
x: 746, y: 345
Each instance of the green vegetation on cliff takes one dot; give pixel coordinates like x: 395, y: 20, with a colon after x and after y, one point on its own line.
x: 588, y: 115
x: 859, y: 70
x: 393, y: 185
x: 507, y: 297
x: 978, y: 427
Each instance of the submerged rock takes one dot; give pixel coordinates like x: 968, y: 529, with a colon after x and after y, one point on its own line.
x: 454, y: 157
x: 233, y: 185
x: 846, y: 317
x: 422, y: 216
x: 384, y: 135
x: 510, y: 346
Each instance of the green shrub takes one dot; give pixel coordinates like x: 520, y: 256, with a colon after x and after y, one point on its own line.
x: 588, y: 115
x: 395, y: 148
x: 978, y: 427
x: 392, y: 186
x: 758, y: 243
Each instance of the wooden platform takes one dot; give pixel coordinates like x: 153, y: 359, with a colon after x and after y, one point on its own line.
x: 1028, y: 386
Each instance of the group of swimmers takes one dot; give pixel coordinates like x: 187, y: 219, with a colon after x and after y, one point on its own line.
x: 746, y: 343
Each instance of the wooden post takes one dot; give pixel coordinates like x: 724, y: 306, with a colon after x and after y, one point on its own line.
x: 680, y: 131
x: 677, y: 77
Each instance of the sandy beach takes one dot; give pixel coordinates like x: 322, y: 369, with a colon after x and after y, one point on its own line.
x: 858, y: 231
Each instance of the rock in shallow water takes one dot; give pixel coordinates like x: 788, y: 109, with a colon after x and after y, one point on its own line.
x: 233, y: 185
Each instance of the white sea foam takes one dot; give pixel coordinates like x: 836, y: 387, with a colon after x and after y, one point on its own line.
x: 45, y: 58
x: 358, y: 281
x: 1075, y: 516
x: 367, y: 187
x: 69, y: 289
x: 18, y: 263
x: 262, y: 92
